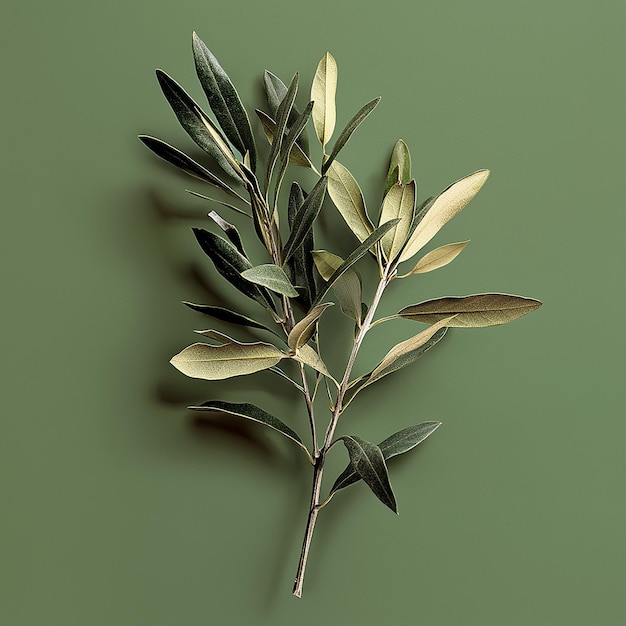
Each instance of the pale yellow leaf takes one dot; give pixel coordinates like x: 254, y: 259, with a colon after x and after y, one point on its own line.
x: 437, y: 258
x: 303, y: 330
x: 323, y: 95
x: 398, y: 203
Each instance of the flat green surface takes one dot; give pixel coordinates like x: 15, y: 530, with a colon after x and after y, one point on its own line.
x: 118, y: 510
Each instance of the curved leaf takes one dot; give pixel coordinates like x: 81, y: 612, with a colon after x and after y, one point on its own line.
x: 437, y: 258
x: 226, y: 315
x: 229, y: 230
x: 399, y: 166
x: 297, y: 156
x: 272, y: 277
x: 307, y: 355
x: 398, y: 203
x: 305, y: 328
x: 447, y: 204
x: 289, y: 142
x: 224, y: 100
x: 323, y: 94
x: 475, y: 311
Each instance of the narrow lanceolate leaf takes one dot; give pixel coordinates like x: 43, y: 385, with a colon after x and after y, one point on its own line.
x: 398, y: 203
x: 368, y: 462
x: 297, y: 156
x: 307, y: 355
x: 226, y: 315
x: 220, y: 202
x: 289, y: 142
x: 305, y: 328
x: 374, y: 238
x: 447, y: 204
x: 303, y: 221
x: 323, y: 94
x: 209, y: 362
x: 230, y: 263
x: 301, y: 262
x: 475, y: 311
x: 190, y: 116
x: 224, y: 100
x: 347, y: 287
x: 185, y: 163
x: 399, y: 443
x: 346, y: 133
x: 346, y: 194
x: 229, y: 230
x: 437, y: 258
x: 272, y: 277
x: 250, y: 412
x: 399, y: 166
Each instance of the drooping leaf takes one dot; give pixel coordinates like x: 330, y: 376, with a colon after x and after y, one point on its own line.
x: 276, y: 370
x: 226, y: 315
x: 399, y: 166
x: 221, y: 202
x: 250, y: 412
x: 272, y: 277
x: 437, y: 258
x: 307, y: 355
x: 229, y: 230
x: 475, y: 311
x: 303, y: 221
x: 190, y: 116
x: 348, y: 198
x: 210, y: 362
x: 305, y: 328
x: 224, y: 100
x: 447, y: 204
x: 368, y: 462
x: 301, y: 262
x: 374, y: 238
x: 399, y: 443
x: 230, y: 264
x: 185, y: 163
x: 398, y: 203
x: 346, y: 133
x: 323, y: 94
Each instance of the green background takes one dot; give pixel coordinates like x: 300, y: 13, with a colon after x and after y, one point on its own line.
x: 118, y: 509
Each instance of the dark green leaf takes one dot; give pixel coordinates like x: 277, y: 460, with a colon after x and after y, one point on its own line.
x: 229, y: 230
x: 297, y: 156
x: 189, y: 115
x: 226, y: 315
x: 272, y: 277
x: 230, y: 263
x: 301, y: 262
x: 224, y: 100
x: 399, y: 443
x: 346, y: 133
x: 293, y: 134
x: 221, y: 202
x: 368, y: 462
x: 303, y: 221
x: 376, y: 236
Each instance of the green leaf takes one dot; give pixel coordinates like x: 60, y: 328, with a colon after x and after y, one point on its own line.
x: 346, y: 133
x: 368, y: 462
x: 475, y: 311
x: 306, y: 215
x: 221, y: 202
x: 326, y: 263
x: 399, y: 443
x: 209, y: 362
x: 399, y: 166
x: 224, y: 100
x: 226, y: 315
x: 272, y: 277
x: 230, y: 263
x: 250, y: 412
x: 437, y: 258
x: 297, y: 156
x: 398, y: 203
x: 323, y: 94
x: 447, y: 204
x: 190, y: 116
x: 180, y: 160
x: 355, y: 256
x: 307, y: 355
x: 229, y: 230
x: 289, y: 142
x: 305, y: 328
x: 348, y: 198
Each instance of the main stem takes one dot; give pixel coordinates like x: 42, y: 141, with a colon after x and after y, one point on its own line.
x: 318, y: 471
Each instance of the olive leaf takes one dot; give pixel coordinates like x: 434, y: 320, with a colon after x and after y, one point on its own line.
x: 398, y: 443
x: 398, y: 203
x: 229, y: 230
x: 475, y: 311
x: 226, y: 315
x: 305, y: 328
x: 437, y: 258
x: 297, y: 156
x: 224, y: 100
x: 323, y: 95
x: 368, y: 462
x: 272, y: 277
x: 399, y: 166
x: 210, y: 362
x: 447, y: 204
x: 307, y: 355
x: 346, y: 194
x: 232, y: 207
x: 289, y: 141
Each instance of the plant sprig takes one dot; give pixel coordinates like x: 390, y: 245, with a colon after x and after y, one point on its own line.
x: 296, y: 281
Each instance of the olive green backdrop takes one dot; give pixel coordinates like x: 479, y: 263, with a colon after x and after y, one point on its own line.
x: 118, y: 509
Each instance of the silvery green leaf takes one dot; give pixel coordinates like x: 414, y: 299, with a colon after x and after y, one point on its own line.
x: 475, y: 311
x: 229, y: 230
x: 190, y: 116
x: 398, y: 203
x: 323, y: 94
x: 226, y: 315
x: 368, y: 462
x: 399, y: 166
x: 305, y: 328
x: 346, y: 194
x: 399, y: 443
x: 220, y: 202
x: 445, y: 206
x: 297, y: 156
x: 210, y: 362
x: 230, y: 264
x: 374, y: 238
x: 272, y: 277
x: 437, y: 258
x: 289, y: 142
x: 224, y: 100
x: 346, y: 133
x: 303, y: 220
x: 347, y: 288
x: 308, y: 356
